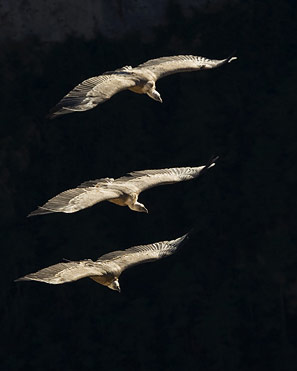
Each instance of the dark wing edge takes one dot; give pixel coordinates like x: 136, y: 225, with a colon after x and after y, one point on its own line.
x: 63, y: 272
x: 40, y: 211
x: 57, y: 203
x: 145, y: 179
x: 93, y: 91
x: 84, y: 196
x: 139, y: 173
x: 210, y: 163
x: 165, y: 66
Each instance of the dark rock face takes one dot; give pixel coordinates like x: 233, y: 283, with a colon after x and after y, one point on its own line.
x: 113, y: 18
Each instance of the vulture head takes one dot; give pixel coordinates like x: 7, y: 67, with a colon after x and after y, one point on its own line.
x: 115, y: 286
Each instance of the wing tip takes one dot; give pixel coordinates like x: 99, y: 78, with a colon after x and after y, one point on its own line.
x: 51, y: 116
x: 185, y: 237
x: 28, y: 278
x: 181, y: 240
x: 24, y: 278
x: 40, y: 211
x: 232, y: 57
x: 211, y: 162
x: 56, y: 112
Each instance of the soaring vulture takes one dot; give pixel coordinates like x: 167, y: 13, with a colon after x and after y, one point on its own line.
x: 122, y: 191
x: 108, y: 268
x: 141, y: 79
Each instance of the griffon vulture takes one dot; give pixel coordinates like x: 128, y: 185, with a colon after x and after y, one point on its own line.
x: 108, y: 268
x: 141, y: 79
x: 122, y: 191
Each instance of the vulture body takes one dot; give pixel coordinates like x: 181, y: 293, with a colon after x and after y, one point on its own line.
x: 141, y: 80
x: 123, y: 191
x: 107, y: 269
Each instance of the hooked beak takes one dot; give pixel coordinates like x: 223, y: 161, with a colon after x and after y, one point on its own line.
x: 155, y: 95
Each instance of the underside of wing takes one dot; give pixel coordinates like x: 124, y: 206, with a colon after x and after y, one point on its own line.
x: 142, y: 254
x: 181, y: 63
x: 73, y: 200
x: 144, y: 179
x: 94, y: 91
x: 65, y: 272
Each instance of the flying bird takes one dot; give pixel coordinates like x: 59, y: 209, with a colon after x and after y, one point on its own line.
x: 123, y: 191
x: 141, y: 80
x: 108, y: 268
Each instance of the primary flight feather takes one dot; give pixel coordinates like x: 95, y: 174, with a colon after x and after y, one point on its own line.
x: 122, y: 191
x: 141, y: 79
x: 107, y: 269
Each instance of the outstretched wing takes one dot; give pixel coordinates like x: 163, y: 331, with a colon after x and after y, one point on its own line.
x: 65, y: 272
x: 139, y: 181
x: 86, y: 195
x: 164, y: 66
x: 93, y: 91
x: 141, y: 254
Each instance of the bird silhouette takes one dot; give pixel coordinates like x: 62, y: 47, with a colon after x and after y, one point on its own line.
x: 123, y: 191
x: 141, y: 79
x: 107, y: 269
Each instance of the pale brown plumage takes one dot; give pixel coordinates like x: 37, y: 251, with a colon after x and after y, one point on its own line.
x: 141, y: 79
x: 107, y: 269
x: 123, y: 191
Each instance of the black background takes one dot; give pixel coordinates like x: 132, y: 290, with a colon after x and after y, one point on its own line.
x: 228, y: 299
